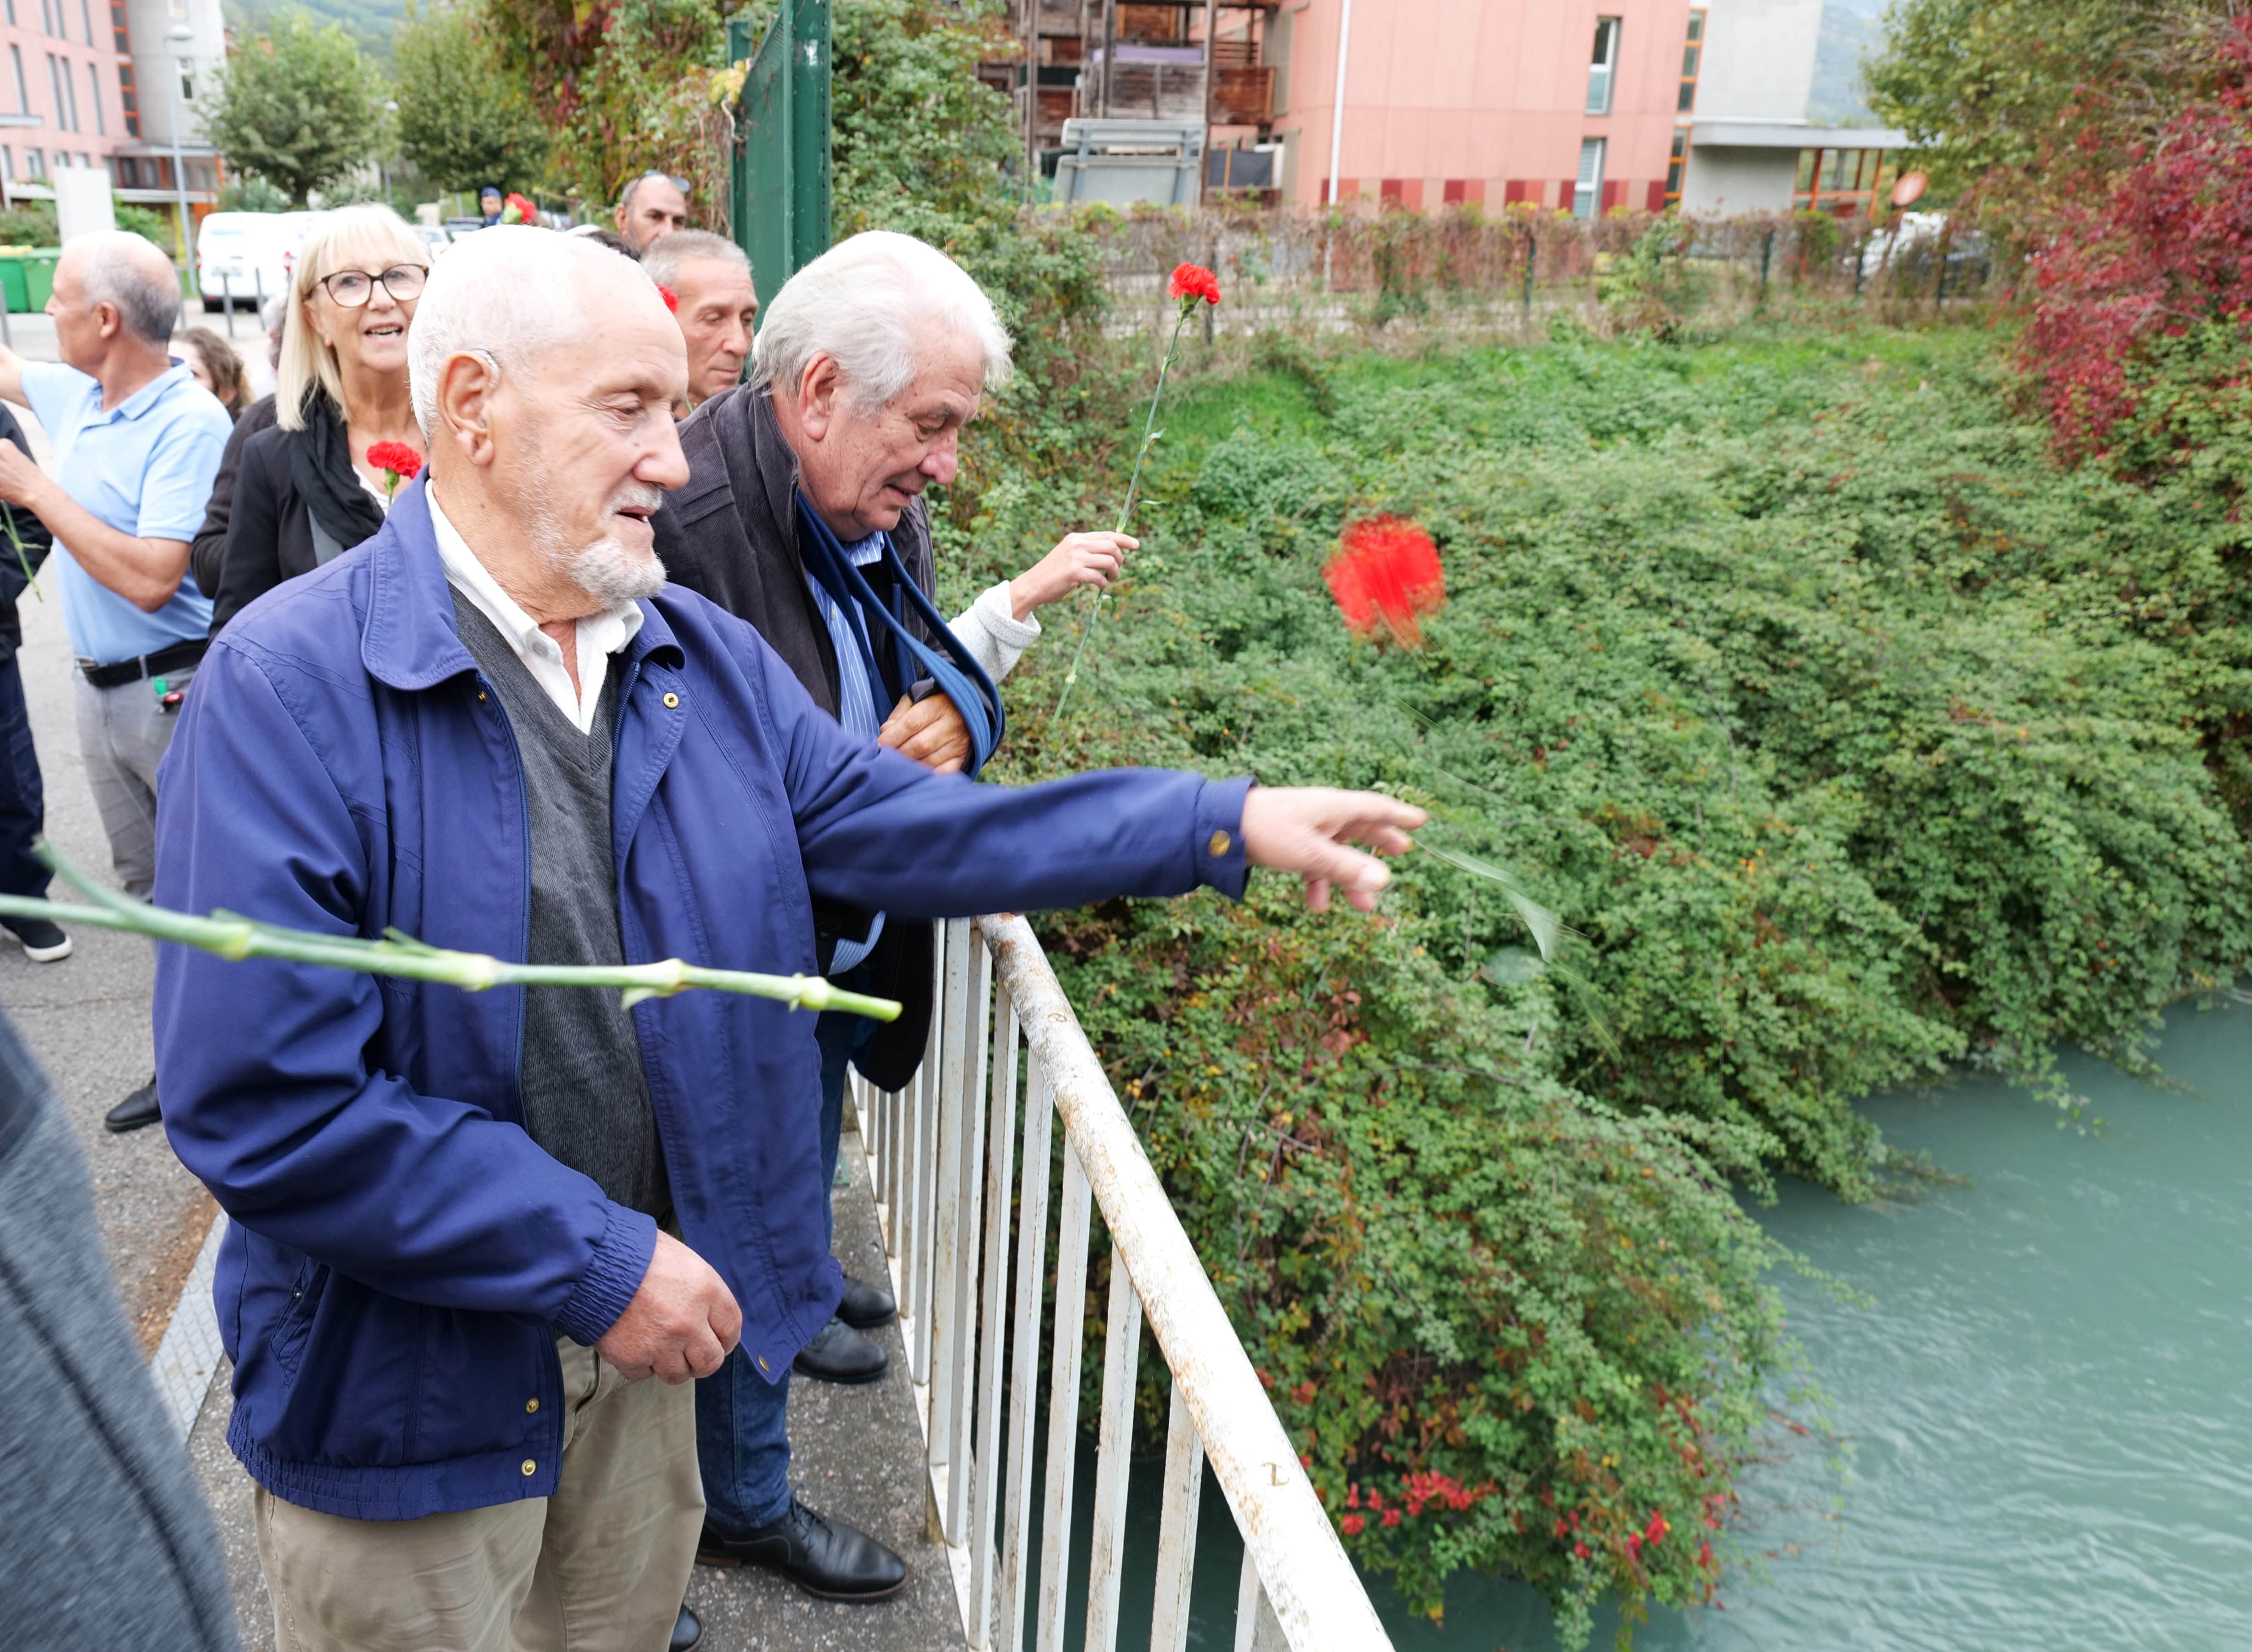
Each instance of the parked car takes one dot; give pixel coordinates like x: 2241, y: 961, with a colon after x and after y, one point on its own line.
x: 436, y: 238
x: 242, y: 258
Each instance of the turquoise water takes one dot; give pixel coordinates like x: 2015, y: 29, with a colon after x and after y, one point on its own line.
x: 2040, y: 1422
x: 2042, y: 1419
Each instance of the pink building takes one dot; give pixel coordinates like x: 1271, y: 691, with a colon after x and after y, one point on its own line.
x: 1564, y: 103
x: 1582, y: 105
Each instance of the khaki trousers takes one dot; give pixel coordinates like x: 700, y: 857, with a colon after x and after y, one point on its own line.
x: 600, y: 1566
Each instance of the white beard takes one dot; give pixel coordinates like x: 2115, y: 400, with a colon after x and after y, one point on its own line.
x: 606, y: 570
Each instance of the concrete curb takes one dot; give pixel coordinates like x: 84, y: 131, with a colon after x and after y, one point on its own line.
x: 191, y: 1350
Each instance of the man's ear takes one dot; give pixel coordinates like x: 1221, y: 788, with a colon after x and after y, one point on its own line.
x: 108, y: 319
x: 467, y: 384
x: 817, y: 391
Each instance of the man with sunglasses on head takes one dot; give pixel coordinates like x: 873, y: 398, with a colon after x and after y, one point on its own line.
x: 654, y: 206
x: 136, y: 444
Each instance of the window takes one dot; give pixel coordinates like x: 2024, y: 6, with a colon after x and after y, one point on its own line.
x: 94, y: 96
x: 187, y: 82
x: 1677, y: 163
x: 12, y: 24
x: 23, y: 87
x: 1842, y: 181
x: 35, y: 164
x: 116, y: 25
x: 85, y: 17
x: 70, y: 86
x: 1691, y: 54
x: 1604, y: 69
x: 46, y: 17
x: 55, y: 87
x: 127, y: 100
x: 1588, y: 189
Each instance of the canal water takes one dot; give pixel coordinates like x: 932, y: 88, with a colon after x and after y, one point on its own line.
x: 2040, y: 1418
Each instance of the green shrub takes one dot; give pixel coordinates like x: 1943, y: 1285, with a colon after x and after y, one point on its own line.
x: 1798, y: 679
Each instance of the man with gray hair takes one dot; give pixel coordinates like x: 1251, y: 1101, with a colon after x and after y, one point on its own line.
x: 803, y: 515
x: 465, y: 1227
x: 715, y: 304
x: 654, y: 206
x: 136, y: 443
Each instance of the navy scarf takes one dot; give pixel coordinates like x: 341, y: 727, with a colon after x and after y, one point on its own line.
x: 960, y: 679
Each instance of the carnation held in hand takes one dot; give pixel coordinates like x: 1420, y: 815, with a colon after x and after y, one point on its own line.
x: 398, y: 461
x: 1191, y: 283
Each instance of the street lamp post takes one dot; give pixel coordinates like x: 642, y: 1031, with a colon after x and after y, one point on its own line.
x: 176, y: 39
x: 391, y: 110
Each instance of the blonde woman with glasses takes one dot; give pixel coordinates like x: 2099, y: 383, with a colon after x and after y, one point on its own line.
x: 307, y: 492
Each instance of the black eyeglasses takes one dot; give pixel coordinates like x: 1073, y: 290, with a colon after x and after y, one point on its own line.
x: 351, y: 289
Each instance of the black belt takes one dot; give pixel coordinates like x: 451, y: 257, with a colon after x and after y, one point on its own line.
x: 156, y: 665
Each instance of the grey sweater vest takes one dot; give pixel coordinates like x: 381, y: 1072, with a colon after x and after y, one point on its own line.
x: 585, y: 1098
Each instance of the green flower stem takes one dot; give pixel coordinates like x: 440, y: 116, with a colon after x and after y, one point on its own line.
x: 8, y: 512
x: 1149, y: 433
x: 236, y: 938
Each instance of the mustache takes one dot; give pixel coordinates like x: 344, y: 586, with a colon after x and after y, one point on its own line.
x: 635, y: 496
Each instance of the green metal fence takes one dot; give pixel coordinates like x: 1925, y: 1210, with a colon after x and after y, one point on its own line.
x: 778, y: 172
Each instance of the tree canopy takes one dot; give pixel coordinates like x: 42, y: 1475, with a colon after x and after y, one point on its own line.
x: 462, y: 123
x: 299, y: 106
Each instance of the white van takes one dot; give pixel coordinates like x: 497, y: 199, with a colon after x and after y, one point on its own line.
x: 244, y: 257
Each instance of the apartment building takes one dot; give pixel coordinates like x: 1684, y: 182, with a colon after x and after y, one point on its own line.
x: 89, y: 83
x: 1579, y: 105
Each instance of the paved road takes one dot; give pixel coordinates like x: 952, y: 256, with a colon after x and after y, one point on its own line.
x: 87, y: 1019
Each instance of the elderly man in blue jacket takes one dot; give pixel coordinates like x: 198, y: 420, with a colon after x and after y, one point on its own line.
x: 466, y: 1226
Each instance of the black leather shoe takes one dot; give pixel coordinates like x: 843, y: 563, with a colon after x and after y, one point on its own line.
x: 687, y: 1633
x: 136, y: 1110
x: 819, y: 1555
x: 842, y: 1355
x: 866, y: 1306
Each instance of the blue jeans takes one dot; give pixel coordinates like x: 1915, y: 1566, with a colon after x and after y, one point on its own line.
x: 23, y: 800
x: 742, y: 1420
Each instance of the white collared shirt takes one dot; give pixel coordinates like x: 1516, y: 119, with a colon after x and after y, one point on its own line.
x: 599, y: 635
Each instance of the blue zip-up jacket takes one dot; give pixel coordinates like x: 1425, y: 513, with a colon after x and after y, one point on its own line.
x: 402, y: 1256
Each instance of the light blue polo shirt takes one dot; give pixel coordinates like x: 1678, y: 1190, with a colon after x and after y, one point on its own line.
x: 145, y: 468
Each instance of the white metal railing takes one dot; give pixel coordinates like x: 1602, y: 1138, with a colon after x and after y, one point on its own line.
x: 946, y: 1166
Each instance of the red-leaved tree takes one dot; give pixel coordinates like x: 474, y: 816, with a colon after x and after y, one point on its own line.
x: 2143, y: 294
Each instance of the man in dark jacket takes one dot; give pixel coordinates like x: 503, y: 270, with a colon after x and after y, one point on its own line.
x: 833, y: 442
x: 452, y: 1257
x: 22, y: 798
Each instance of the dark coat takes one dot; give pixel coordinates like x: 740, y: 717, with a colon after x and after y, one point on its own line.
x: 401, y: 1255
x: 36, y: 542
x: 731, y: 536
x: 296, y: 491
x: 207, y: 552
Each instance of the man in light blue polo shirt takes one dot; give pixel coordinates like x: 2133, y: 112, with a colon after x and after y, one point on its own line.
x: 136, y: 444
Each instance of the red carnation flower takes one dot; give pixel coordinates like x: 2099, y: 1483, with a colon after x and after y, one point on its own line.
x: 1192, y: 281
x: 671, y: 298
x: 398, y: 461
x: 1386, y: 572
x: 1352, y: 1525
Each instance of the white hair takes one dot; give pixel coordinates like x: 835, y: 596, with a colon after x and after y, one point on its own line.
x: 667, y: 252
x: 506, y: 293
x: 131, y: 274
x: 865, y: 304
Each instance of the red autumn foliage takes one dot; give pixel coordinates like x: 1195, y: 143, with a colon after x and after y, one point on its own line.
x: 671, y: 298
x: 2166, y: 247
x: 1386, y: 572
x: 397, y: 457
x: 1192, y: 281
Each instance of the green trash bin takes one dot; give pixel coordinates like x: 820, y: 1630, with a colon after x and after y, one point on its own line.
x: 27, y: 277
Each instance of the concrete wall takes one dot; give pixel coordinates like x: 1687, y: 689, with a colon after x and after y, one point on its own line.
x: 1721, y: 180
x: 1479, y: 94
x: 1759, y: 59
x: 154, y: 67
